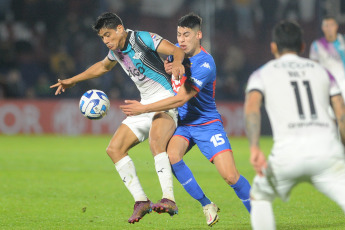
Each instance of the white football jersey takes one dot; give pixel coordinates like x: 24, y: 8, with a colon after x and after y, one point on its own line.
x: 331, y: 55
x: 296, y: 94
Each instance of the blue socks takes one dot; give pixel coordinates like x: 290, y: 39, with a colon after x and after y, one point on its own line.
x: 242, y: 188
x: 187, y: 180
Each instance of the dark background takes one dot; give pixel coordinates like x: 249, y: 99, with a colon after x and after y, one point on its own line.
x: 43, y: 40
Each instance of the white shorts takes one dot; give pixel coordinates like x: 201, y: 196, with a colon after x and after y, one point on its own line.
x: 327, y: 176
x: 141, y: 124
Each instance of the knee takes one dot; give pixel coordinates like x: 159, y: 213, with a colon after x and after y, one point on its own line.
x: 157, y: 146
x: 231, y: 178
x: 114, y: 153
x: 174, y: 158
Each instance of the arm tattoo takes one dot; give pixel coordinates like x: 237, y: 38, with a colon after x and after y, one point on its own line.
x: 253, y: 126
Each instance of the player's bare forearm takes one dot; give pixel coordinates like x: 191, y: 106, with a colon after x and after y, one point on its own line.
x: 253, y: 127
x: 96, y: 70
x: 253, y: 117
x: 134, y: 107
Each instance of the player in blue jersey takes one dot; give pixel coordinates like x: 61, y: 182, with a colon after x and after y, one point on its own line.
x: 199, y: 121
x: 137, y: 53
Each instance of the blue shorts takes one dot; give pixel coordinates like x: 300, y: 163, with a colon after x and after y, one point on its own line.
x: 211, y: 138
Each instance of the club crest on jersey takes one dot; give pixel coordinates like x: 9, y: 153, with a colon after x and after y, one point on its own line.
x: 137, y: 55
x: 206, y: 65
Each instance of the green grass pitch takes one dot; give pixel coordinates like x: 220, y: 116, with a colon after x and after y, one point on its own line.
x: 59, y: 182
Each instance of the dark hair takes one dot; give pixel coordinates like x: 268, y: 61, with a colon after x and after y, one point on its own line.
x: 107, y: 20
x: 191, y: 21
x: 327, y: 17
x: 288, y: 36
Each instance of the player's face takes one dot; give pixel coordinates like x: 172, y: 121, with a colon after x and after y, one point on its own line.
x: 330, y: 28
x: 113, y: 39
x: 189, y: 40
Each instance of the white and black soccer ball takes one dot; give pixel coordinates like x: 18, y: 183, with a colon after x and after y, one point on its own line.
x: 94, y: 104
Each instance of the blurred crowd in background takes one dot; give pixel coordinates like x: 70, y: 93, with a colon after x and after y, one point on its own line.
x: 43, y: 40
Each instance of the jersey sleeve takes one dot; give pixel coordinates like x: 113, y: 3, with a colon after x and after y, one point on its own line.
x: 201, y: 75
x: 111, y: 56
x: 313, y: 53
x: 255, y: 82
x: 152, y: 40
x: 333, y: 86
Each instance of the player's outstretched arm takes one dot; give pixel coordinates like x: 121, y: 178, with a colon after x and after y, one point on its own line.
x: 133, y: 107
x: 96, y: 70
x: 252, y: 119
x: 339, y: 111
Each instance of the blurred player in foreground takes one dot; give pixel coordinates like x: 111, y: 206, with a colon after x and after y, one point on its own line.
x: 329, y: 51
x: 199, y: 121
x: 137, y: 53
x: 297, y: 93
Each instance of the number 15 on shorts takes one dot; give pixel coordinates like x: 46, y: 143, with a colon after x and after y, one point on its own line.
x: 217, y: 140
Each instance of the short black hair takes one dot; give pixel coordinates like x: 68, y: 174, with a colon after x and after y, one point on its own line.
x: 191, y: 21
x: 107, y: 20
x: 288, y: 36
x: 329, y: 16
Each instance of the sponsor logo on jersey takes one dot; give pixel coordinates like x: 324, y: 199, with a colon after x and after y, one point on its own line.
x: 196, y: 81
x: 206, y: 65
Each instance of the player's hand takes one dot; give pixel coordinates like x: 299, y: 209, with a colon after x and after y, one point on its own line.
x: 62, y: 85
x: 258, y: 160
x: 177, y: 70
x: 168, y: 67
x: 132, y: 108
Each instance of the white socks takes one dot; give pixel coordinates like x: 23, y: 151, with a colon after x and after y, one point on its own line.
x: 261, y: 215
x: 165, y: 176
x: 127, y: 172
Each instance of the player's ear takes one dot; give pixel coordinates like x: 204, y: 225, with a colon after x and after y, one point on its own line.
x: 302, y: 48
x: 199, y: 35
x: 119, y: 29
x: 274, y: 48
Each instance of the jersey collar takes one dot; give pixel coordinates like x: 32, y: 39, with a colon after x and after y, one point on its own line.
x: 126, y: 48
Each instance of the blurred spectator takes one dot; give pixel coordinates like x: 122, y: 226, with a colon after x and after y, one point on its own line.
x: 14, y: 86
x: 49, y: 39
x: 244, y: 15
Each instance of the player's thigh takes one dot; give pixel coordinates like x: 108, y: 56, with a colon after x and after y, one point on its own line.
x: 121, y: 142
x: 162, y: 129
x: 177, y: 147
x: 211, y: 139
x: 225, y: 164
x: 274, y: 183
x: 331, y: 182
x: 140, y: 125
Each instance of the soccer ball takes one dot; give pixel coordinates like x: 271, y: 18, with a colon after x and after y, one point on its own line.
x: 94, y: 104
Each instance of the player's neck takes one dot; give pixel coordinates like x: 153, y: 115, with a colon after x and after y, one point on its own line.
x: 196, y: 51
x: 331, y: 38
x: 123, y: 40
x: 278, y: 55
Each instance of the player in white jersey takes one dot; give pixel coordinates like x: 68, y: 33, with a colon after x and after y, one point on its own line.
x: 296, y: 93
x: 137, y: 53
x: 329, y: 51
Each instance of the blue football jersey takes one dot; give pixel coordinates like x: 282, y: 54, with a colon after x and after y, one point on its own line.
x: 200, y: 75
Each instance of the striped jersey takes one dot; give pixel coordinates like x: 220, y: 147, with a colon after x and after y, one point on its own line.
x: 141, y: 62
x: 331, y: 55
